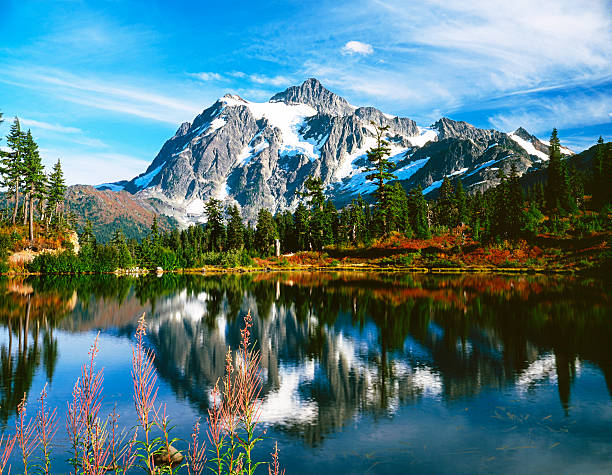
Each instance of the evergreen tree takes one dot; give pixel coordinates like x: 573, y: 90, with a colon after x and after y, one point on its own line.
x: 355, y: 222
x: 460, y: 216
x: 214, y: 224
x: 445, y: 210
x: 417, y: 208
x: 381, y: 168
x: 33, y: 177
x: 11, y: 165
x: 55, y: 195
x: 286, y: 230
x: 514, y: 211
x: 235, y: 228
x: 558, y: 187
x: 302, y: 230
x: 500, y: 198
x: 330, y: 224
x: 398, y: 218
x: 119, y: 243
x: 600, y: 184
x: 265, y: 232
x: 317, y: 219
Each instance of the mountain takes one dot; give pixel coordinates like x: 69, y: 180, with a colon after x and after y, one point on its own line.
x: 259, y: 154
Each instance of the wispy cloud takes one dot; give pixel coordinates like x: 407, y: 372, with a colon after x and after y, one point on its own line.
x: 241, y: 76
x: 209, y: 76
x: 37, y: 124
x: 562, y: 112
x: 357, y: 47
x: 108, y: 95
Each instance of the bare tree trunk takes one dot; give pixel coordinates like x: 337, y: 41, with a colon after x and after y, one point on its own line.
x: 31, y: 215
x: 26, y: 200
x: 16, y: 202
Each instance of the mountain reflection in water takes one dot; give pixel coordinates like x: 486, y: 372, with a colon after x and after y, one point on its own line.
x: 334, y: 345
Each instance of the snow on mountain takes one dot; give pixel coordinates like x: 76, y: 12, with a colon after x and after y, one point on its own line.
x: 528, y: 146
x: 259, y: 154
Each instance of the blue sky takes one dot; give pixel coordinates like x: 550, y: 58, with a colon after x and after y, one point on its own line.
x: 102, y: 84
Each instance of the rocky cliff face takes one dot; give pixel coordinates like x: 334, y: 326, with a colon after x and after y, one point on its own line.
x: 259, y: 154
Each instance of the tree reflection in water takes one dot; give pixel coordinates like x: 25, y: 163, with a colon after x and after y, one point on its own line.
x: 334, y: 345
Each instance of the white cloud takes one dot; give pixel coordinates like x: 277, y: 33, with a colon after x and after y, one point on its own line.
x: 540, y: 116
x: 272, y: 81
x: 103, y: 94
x: 36, y: 124
x: 209, y: 76
x: 357, y: 47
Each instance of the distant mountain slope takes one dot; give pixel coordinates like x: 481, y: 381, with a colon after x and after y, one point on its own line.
x: 259, y: 154
x: 109, y: 211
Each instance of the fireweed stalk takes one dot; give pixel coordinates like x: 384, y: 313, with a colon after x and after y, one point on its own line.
x: 46, y: 428
x: 235, y: 412
x: 25, y: 434
x: 155, y: 453
x: 7, y: 448
x: 98, y: 447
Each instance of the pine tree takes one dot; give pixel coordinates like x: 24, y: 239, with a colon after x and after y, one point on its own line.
x: 301, y: 220
x: 265, y: 232
x: 460, y: 216
x: 214, y: 224
x: 515, y: 203
x: 235, y: 228
x: 330, y: 224
x: 11, y: 167
x: 119, y: 243
x: 398, y: 210
x: 599, y: 178
x: 417, y: 208
x: 558, y: 195
x: 381, y: 168
x: 33, y: 177
x: 445, y: 210
x: 499, y: 221
x: 317, y: 219
x: 55, y: 195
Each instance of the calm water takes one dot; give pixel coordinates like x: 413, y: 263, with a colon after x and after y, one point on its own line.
x: 376, y: 373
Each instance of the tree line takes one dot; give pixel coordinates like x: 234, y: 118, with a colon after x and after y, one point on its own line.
x: 508, y: 211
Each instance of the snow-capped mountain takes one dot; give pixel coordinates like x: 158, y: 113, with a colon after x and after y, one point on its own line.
x: 259, y: 154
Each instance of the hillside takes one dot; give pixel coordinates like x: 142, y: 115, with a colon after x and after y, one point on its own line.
x: 109, y: 211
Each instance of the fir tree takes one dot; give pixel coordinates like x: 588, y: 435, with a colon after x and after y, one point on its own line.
x: 599, y: 174
x: 265, y: 232
x: 55, y: 195
x: 445, y: 210
x: 11, y: 167
x: 417, y: 208
x: 301, y: 224
x: 398, y: 218
x: 317, y: 219
x: 214, y: 224
x: 558, y: 187
x: 381, y: 168
x: 460, y: 216
x: 514, y: 211
x: 235, y: 228
x: 33, y: 177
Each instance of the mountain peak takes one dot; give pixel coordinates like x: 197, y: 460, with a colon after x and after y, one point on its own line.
x: 314, y: 94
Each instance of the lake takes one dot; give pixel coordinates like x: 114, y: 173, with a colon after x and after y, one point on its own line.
x: 362, y: 372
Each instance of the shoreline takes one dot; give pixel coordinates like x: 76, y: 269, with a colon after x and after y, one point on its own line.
x: 207, y: 270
